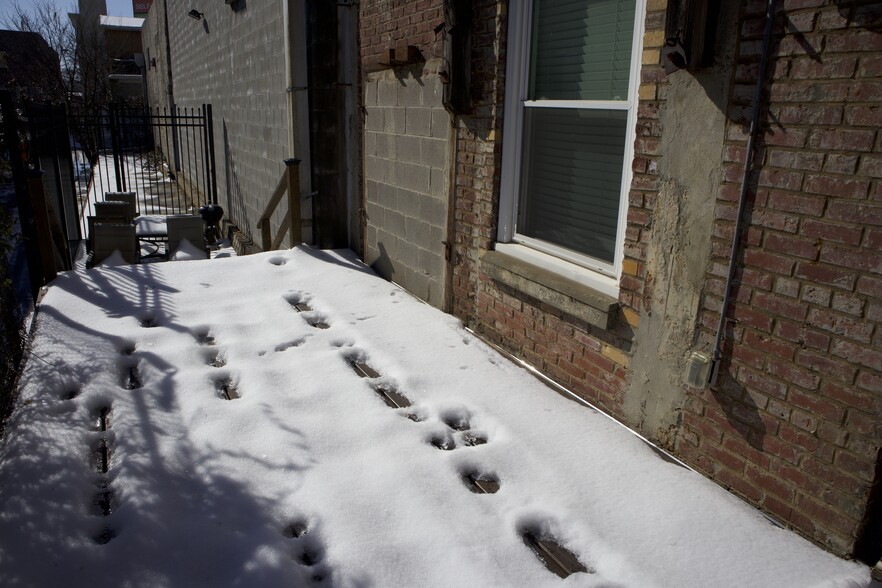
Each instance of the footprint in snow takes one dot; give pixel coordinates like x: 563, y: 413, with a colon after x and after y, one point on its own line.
x: 277, y: 260
x: 288, y: 345
x: 549, y: 549
x: 204, y: 337
x: 479, y: 481
x: 308, y: 551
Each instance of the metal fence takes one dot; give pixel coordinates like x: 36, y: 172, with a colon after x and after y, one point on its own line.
x: 165, y: 156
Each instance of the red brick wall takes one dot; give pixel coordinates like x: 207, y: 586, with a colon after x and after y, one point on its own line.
x: 794, y: 425
x: 385, y: 24
x: 478, y: 156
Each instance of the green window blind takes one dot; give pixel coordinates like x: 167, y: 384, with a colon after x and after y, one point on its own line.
x: 572, y: 166
x: 581, y: 49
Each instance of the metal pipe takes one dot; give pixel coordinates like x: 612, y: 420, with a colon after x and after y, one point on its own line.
x: 716, y: 356
x: 289, y: 20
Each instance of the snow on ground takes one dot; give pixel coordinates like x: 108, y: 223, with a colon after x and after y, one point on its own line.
x: 205, y: 491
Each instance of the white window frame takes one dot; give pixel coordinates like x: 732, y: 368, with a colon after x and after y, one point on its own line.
x: 593, y: 272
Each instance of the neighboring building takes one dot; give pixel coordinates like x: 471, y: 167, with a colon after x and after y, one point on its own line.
x: 29, y: 67
x: 122, y: 38
x: 579, y: 209
x: 111, y: 60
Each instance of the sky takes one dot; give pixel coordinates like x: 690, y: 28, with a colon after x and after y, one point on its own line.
x: 114, y: 7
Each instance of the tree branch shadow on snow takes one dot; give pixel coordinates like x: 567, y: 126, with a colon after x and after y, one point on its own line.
x: 178, y: 518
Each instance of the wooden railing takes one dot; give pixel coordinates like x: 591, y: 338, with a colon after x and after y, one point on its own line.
x: 289, y: 184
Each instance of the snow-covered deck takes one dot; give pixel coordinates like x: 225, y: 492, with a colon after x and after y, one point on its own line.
x: 307, y: 476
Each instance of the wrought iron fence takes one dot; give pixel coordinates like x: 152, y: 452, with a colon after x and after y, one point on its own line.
x: 165, y: 156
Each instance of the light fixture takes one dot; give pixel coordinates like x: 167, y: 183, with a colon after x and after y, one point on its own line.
x: 195, y: 14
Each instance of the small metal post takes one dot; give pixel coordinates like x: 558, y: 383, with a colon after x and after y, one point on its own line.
x: 41, y: 220
x: 292, y: 171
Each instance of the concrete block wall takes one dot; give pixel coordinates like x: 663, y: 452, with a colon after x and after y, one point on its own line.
x: 406, y: 178
x: 233, y: 60
x: 406, y: 146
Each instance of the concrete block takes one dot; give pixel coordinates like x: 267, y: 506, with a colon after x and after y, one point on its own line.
x: 434, y: 211
x: 434, y: 152
x: 385, y: 146
x: 411, y: 93
x: 387, y: 196
x: 432, y: 263
x: 375, y: 214
x: 387, y: 92
x: 371, y: 191
x: 408, y: 149
x: 437, y: 236
x: 394, y: 120
x: 371, y: 236
x: 394, y: 222
x: 409, y: 255
x: 370, y: 143
x: 436, y: 291
x: 374, y: 119
x: 375, y: 168
x: 438, y: 182
x: 387, y: 244
x: 412, y: 177
x: 416, y: 283
x: 419, y: 121
x: 433, y: 94
x: 440, y: 124
x: 416, y: 231
x: 370, y: 94
x: 409, y: 202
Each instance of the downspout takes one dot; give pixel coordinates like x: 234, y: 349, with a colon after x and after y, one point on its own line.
x: 716, y: 356
x: 176, y: 164
x: 289, y: 18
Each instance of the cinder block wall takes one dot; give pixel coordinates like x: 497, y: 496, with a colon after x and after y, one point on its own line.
x: 406, y: 148
x: 233, y: 60
x: 793, y: 425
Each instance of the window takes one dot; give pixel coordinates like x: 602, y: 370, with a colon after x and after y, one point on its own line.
x: 571, y: 100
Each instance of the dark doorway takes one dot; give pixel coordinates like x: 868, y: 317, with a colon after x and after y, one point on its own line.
x: 327, y: 128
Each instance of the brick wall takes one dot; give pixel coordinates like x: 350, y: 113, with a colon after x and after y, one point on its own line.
x: 794, y: 424
x: 592, y: 362
x: 385, y: 24
x: 479, y: 155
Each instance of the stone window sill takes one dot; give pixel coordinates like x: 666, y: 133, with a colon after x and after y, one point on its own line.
x: 560, y: 292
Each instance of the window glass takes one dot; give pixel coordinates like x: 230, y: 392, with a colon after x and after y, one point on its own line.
x: 581, y: 49
x: 572, y: 165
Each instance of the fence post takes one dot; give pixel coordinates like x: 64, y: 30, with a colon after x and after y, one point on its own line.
x: 114, y: 144
x: 292, y: 170
x: 41, y: 220
x: 209, y: 122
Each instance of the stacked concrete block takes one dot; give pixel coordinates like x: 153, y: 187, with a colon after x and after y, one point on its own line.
x: 406, y: 170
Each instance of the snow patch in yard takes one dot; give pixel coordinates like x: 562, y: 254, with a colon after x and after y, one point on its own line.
x: 310, y: 477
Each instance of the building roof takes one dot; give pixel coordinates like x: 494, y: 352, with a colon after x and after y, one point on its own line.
x: 126, y: 23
